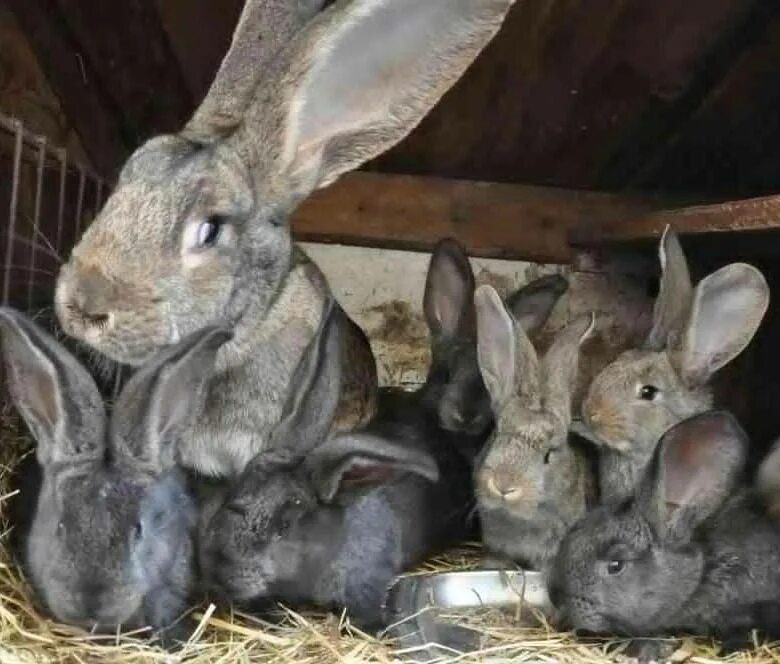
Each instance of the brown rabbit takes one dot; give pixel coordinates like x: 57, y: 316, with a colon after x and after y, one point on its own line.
x: 196, y: 231
x: 645, y: 391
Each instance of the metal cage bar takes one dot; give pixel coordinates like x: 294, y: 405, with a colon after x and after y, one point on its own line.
x: 32, y: 156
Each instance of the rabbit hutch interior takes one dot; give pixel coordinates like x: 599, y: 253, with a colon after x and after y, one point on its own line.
x: 512, y: 393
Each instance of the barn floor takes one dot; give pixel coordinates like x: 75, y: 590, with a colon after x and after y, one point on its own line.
x: 26, y: 635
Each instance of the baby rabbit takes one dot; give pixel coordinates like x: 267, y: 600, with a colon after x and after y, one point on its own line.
x: 686, y: 553
x: 532, y: 483
x: 454, y: 390
x: 196, y: 230
x: 110, y: 542
x: 695, y: 332
x: 332, y: 523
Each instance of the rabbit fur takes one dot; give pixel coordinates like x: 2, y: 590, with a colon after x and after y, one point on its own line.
x: 695, y: 332
x: 532, y: 482
x: 692, y: 550
x: 107, y: 537
x: 197, y: 232
x: 414, y: 459
x: 454, y: 390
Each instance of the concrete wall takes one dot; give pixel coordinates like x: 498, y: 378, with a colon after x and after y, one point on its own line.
x: 383, y: 290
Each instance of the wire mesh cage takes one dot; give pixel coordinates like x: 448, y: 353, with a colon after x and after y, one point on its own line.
x: 49, y: 199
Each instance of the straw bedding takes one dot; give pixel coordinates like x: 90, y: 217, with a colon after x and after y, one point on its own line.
x: 219, y: 635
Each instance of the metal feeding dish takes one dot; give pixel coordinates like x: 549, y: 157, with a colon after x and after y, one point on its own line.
x: 415, y: 602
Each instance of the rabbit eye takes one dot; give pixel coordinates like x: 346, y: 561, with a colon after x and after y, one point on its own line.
x: 138, y: 530
x: 615, y: 567
x: 60, y: 528
x: 209, y: 231
x: 548, y: 456
x: 648, y: 392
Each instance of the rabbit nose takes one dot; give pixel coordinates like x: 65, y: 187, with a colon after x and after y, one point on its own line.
x: 88, y: 301
x: 503, y: 490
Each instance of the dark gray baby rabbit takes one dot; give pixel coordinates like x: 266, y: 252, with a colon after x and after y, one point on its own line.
x: 331, y: 523
x: 110, y: 542
x: 687, y: 553
x: 454, y: 390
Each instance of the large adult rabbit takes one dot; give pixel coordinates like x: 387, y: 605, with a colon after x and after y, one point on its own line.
x: 197, y: 229
x: 532, y: 483
x: 687, y: 553
x: 108, y: 541
x: 695, y: 332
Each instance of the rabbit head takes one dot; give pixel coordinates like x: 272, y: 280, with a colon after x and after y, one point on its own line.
x: 278, y: 527
x: 630, y: 568
x: 454, y: 385
x: 197, y: 230
x: 529, y: 473
x: 695, y: 332
x: 110, y: 543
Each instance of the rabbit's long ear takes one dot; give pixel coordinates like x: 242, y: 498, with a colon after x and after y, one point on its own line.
x: 696, y: 466
x: 162, y: 399
x: 363, y: 74
x: 263, y: 30
x: 349, y: 464
x: 674, y: 295
x: 315, y: 389
x: 560, y: 365
x: 507, y: 360
x: 54, y: 393
x: 532, y: 304
x: 728, y: 307
x: 449, y: 292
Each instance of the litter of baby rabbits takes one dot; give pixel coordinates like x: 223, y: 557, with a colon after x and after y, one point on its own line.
x: 27, y: 634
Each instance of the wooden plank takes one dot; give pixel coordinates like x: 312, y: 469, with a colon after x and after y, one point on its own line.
x: 730, y: 143
x: 113, y: 68
x: 200, y: 32
x: 87, y: 112
x: 566, y: 86
x: 492, y: 220
x: 752, y: 214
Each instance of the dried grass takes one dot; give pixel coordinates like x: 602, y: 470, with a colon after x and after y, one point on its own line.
x: 220, y: 635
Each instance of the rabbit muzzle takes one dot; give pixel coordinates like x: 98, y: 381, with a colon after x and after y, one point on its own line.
x: 86, y: 301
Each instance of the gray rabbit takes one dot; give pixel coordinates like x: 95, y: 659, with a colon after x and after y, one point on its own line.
x: 107, y: 536
x: 331, y: 520
x: 197, y: 231
x: 454, y: 391
x: 532, y: 482
x: 696, y: 331
x: 691, y: 551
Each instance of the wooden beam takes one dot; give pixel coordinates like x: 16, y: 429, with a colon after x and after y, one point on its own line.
x: 751, y: 214
x: 491, y: 220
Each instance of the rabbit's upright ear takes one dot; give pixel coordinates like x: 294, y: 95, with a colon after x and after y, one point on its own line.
x: 315, y: 389
x: 532, y: 304
x: 449, y: 292
x: 349, y: 464
x: 263, y: 30
x: 363, y: 74
x: 507, y: 359
x: 728, y: 307
x: 560, y: 365
x: 674, y: 295
x: 54, y: 393
x: 162, y: 399
x: 696, y: 466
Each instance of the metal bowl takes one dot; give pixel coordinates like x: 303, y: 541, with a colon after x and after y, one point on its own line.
x: 414, y: 602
